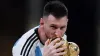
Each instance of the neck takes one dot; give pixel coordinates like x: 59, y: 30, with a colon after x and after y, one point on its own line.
x: 42, y: 35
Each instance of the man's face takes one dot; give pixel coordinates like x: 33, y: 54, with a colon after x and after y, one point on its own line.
x: 53, y: 26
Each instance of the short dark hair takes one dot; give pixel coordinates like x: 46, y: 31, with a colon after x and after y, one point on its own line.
x: 55, y: 8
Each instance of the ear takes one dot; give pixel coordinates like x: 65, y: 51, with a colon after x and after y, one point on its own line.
x: 41, y: 21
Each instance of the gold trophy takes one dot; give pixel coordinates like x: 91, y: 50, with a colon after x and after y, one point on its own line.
x: 72, y: 48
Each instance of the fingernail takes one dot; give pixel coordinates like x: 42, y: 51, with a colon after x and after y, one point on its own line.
x: 58, y: 38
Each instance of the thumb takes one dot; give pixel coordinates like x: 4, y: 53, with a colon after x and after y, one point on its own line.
x: 47, y: 42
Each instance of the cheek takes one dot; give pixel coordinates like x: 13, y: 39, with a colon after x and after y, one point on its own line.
x: 49, y: 32
x: 63, y: 31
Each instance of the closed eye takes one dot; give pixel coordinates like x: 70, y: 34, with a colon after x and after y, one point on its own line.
x: 53, y: 27
x: 63, y: 27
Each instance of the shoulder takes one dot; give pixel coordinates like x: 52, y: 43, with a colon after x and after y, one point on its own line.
x: 25, y: 43
x: 30, y: 33
x: 27, y: 36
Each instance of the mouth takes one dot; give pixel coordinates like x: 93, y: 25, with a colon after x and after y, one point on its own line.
x: 53, y: 38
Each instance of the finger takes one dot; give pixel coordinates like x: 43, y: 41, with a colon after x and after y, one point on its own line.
x: 59, y: 44
x: 47, y: 42
x: 53, y: 51
x: 61, y: 49
x: 54, y: 41
x: 60, y: 53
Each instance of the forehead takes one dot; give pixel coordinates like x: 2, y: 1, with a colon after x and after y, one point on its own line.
x: 57, y: 21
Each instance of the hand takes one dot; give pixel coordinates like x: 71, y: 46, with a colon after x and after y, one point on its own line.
x: 51, y: 49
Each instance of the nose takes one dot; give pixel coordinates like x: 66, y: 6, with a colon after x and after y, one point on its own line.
x: 58, y: 33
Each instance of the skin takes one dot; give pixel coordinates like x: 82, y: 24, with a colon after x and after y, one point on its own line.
x: 49, y: 28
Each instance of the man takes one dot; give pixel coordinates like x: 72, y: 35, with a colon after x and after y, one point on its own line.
x: 35, y: 42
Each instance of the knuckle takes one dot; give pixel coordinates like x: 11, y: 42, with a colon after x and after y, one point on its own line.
x: 61, y: 48
x: 51, y: 48
x: 57, y: 44
x: 53, y: 51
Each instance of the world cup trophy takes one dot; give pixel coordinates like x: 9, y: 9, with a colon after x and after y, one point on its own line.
x: 72, y: 48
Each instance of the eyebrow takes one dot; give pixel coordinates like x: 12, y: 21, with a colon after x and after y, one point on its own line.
x: 53, y: 25
x: 56, y: 25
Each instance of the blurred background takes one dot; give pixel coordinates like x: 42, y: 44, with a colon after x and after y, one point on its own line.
x: 18, y: 16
